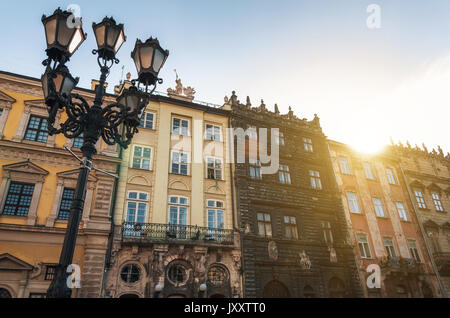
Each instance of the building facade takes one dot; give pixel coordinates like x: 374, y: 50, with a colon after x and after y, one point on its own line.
x: 383, y: 225
x: 38, y: 178
x: 294, y: 236
x: 427, y: 175
x: 174, y: 233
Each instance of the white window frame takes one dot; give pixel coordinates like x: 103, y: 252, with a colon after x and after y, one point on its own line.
x: 180, y: 127
x: 368, y: 171
x: 256, y: 168
x: 386, y: 246
x: 280, y: 139
x: 308, y: 145
x: 437, y: 201
x: 216, y: 209
x: 401, y: 211
x: 178, y: 205
x: 213, y: 132
x: 138, y: 200
x: 420, y: 200
x: 179, y: 163
x: 144, y: 116
x: 316, y: 182
x: 353, y: 204
x: 215, y: 169
x: 266, y: 223
x: 363, y: 245
x: 142, y: 158
x: 284, y: 175
x: 390, y: 174
x: 417, y: 252
x: 379, y: 206
x: 344, y: 164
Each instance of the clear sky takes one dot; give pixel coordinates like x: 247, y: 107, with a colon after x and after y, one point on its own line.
x: 317, y: 56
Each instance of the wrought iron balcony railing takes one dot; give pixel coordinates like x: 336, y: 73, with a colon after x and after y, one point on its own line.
x: 398, y: 263
x: 154, y: 232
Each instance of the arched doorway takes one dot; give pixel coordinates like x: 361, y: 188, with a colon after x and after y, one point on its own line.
x: 336, y: 287
x: 129, y: 296
x: 4, y: 293
x: 275, y: 289
x: 426, y: 291
x: 176, y: 296
x: 308, y: 292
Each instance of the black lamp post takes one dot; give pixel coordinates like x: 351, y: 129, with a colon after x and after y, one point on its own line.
x: 93, y: 121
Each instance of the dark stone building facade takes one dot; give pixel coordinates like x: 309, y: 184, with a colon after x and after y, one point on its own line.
x: 294, y: 237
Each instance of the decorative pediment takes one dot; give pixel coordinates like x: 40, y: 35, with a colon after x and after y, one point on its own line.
x: 431, y: 224
x: 6, y: 99
x: 417, y: 184
x: 215, y: 190
x: 139, y: 180
x: 9, y: 262
x: 434, y: 187
x: 40, y: 103
x: 73, y: 174
x: 179, y: 185
x: 25, y: 167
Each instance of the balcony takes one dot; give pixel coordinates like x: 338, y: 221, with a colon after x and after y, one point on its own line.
x: 443, y: 263
x: 401, y: 264
x: 174, y: 233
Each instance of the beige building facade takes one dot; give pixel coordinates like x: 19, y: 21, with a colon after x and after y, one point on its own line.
x: 174, y: 215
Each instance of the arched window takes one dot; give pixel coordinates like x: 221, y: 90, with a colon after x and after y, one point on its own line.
x: 308, y: 292
x: 130, y: 273
x: 275, y: 289
x: 217, y: 276
x: 336, y: 287
x: 4, y: 293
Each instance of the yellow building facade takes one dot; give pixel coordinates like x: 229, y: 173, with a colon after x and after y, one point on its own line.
x: 174, y: 216
x: 38, y: 177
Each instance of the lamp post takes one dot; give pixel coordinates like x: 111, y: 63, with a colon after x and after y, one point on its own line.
x: 115, y: 123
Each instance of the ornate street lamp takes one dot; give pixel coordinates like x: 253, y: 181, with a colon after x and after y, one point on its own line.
x: 115, y: 123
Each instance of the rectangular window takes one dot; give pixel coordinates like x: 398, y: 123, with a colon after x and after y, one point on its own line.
x: 368, y: 171
x: 18, y: 199
x: 345, y: 166
x: 213, y: 132
x: 389, y: 245
x: 414, y: 251
x: 137, y: 207
x: 363, y: 244
x: 437, y: 202
x: 390, y: 175
x: 78, y: 141
x: 307, y: 144
x: 147, y: 120
x: 37, y: 129
x: 50, y: 271
x: 401, y: 211
x: 179, y: 163
x: 214, y: 168
x: 180, y: 127
x: 178, y: 209
x: 315, y: 180
x: 66, y: 203
x: 141, y: 157
x: 419, y: 199
x: 378, y: 205
x: 216, y: 218
x: 284, y: 175
x: 290, y: 225
x: 353, y: 202
x: 280, y: 139
x: 264, y: 224
x: 327, y: 232
x: 255, y: 170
